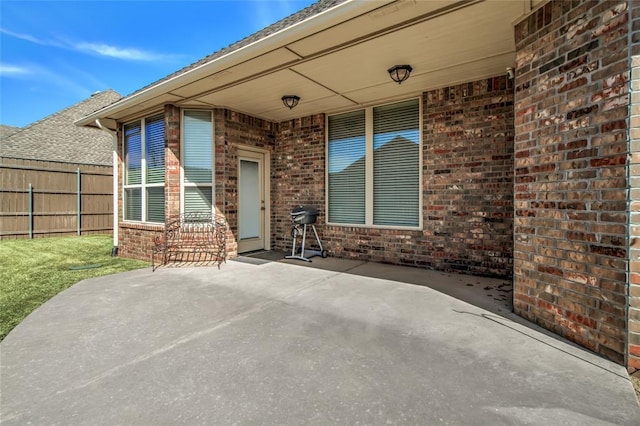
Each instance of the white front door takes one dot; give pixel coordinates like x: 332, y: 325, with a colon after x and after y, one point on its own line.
x: 252, y: 204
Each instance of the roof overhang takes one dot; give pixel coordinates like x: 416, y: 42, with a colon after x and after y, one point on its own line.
x: 338, y: 60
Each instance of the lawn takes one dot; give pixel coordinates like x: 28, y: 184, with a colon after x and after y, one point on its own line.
x: 33, y: 271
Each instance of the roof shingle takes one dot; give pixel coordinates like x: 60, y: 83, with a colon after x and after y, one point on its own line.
x: 7, y: 130
x: 57, y: 138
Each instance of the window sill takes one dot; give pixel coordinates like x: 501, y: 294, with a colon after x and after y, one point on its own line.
x: 142, y: 225
x: 382, y: 227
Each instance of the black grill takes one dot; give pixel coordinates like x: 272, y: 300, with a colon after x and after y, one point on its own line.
x: 304, y: 215
x: 301, y: 217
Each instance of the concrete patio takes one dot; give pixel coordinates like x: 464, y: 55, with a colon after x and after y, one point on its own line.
x: 278, y: 342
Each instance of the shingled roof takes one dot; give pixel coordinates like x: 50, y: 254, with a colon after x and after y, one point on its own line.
x: 57, y: 138
x: 7, y: 130
x: 308, y: 12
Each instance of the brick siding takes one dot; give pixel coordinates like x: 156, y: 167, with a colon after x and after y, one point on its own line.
x: 525, y: 179
x: 571, y: 103
x: 135, y: 240
x: 298, y: 174
x: 233, y: 130
x: 467, y: 183
x: 633, y: 360
x: 467, y: 180
x: 172, y: 117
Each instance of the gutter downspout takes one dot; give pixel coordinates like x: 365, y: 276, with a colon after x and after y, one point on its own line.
x: 114, y: 250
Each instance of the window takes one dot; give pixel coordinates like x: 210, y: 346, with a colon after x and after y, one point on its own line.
x: 373, y: 164
x: 197, y: 161
x: 347, y: 168
x: 144, y: 170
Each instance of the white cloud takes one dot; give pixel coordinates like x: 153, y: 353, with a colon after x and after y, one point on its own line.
x: 32, y: 39
x: 126, y: 53
x: 14, y: 70
x: 101, y: 49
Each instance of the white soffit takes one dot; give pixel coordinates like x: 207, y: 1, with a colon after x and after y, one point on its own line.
x: 279, y: 112
x: 260, y: 64
x: 417, y: 84
x: 451, y: 44
x: 462, y: 41
x: 378, y: 20
x: 263, y: 93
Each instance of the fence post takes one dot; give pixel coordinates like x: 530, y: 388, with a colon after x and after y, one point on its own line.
x: 30, y: 211
x: 79, y: 217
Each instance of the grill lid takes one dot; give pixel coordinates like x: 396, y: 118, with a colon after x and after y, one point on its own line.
x: 304, y: 210
x: 304, y: 215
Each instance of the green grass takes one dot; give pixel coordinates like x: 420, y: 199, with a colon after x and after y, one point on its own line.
x: 33, y: 271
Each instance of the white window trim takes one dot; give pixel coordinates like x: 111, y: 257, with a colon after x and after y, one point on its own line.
x: 143, y: 172
x: 369, y: 169
x: 184, y: 184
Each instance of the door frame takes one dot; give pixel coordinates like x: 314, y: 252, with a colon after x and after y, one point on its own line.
x: 242, y: 151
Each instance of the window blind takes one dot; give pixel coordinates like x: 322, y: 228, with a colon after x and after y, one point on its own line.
x: 154, y: 149
x: 346, y: 165
x: 197, y: 147
x: 133, y: 158
x: 133, y: 204
x: 155, y: 204
x: 144, y: 189
x: 197, y: 199
x: 396, y: 164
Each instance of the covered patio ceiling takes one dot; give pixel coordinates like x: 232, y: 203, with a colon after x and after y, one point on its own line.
x: 338, y: 60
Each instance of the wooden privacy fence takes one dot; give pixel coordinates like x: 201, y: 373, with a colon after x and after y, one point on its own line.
x: 40, y: 198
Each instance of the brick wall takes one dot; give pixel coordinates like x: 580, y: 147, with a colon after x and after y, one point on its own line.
x: 135, y: 240
x: 233, y: 129
x: 571, y: 102
x: 298, y: 174
x: 467, y: 210
x: 468, y: 178
x: 172, y: 117
x: 467, y: 199
x: 633, y: 360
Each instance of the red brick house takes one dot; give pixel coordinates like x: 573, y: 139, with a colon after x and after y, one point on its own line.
x: 510, y: 151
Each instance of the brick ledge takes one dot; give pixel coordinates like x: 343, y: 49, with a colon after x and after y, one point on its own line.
x: 143, y: 226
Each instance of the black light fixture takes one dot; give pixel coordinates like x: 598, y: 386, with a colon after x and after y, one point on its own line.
x: 400, y: 73
x: 290, y: 101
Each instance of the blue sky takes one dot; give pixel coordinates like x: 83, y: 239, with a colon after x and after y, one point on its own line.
x: 54, y: 54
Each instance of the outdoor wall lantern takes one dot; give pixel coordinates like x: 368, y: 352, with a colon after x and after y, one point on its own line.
x: 400, y: 73
x: 290, y: 101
